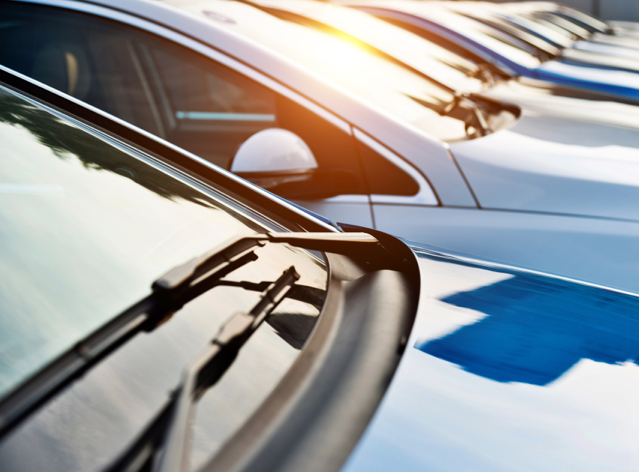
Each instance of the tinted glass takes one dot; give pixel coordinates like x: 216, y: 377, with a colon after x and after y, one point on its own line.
x: 582, y: 19
x: 206, y: 108
x: 86, y: 225
x: 485, y: 36
x: 390, y: 87
x: 100, y: 69
x: 166, y: 89
x: 383, y: 177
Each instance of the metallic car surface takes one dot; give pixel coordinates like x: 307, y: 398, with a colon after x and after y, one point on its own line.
x: 503, y: 368
x: 542, y: 163
x: 509, y: 370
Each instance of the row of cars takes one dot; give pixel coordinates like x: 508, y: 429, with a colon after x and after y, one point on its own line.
x: 503, y: 140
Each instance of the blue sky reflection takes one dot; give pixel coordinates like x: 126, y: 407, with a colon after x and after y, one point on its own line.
x: 537, y: 329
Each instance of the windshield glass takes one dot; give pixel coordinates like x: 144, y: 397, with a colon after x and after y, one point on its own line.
x: 566, y: 25
x: 515, y: 34
x: 86, y: 226
x: 582, y: 18
x: 482, y: 34
x: 425, y: 56
x: 393, y: 88
x: 544, y: 30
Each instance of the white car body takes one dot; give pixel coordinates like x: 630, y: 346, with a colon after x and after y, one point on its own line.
x: 556, y: 192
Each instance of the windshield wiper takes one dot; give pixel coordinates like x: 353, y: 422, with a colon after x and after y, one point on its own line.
x: 166, y: 440
x: 464, y: 108
x: 484, y: 74
x: 170, y: 292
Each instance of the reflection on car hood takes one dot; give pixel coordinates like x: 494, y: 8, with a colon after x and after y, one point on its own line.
x: 564, y: 155
x: 608, y: 49
x: 508, y: 370
x: 618, y: 82
x: 600, y: 59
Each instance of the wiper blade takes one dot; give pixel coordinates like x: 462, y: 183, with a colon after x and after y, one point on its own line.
x: 483, y: 73
x: 339, y: 243
x: 207, y: 368
x: 464, y: 108
x: 170, y: 292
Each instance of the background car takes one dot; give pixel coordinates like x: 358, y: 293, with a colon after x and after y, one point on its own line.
x: 523, y: 53
x: 604, y: 50
x: 426, y: 177
x: 555, y: 11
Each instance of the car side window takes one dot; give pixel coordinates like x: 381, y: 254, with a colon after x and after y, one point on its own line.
x: 205, y: 107
x: 201, y: 98
x: 100, y: 69
x: 383, y: 177
x: 180, y: 95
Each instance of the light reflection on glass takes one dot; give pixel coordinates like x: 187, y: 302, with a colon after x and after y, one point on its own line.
x: 382, y: 83
x: 474, y: 30
x: 430, y: 59
x: 79, y: 241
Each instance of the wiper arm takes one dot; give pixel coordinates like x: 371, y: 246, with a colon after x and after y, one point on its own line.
x: 464, y: 108
x: 484, y: 74
x: 303, y: 293
x: 170, y: 292
x: 207, y: 368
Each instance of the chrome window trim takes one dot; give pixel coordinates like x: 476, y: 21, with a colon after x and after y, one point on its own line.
x: 199, y: 47
x: 425, y: 195
x: 208, y: 189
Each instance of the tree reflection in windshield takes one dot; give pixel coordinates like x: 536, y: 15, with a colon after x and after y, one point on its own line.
x: 537, y: 329
x: 64, y: 139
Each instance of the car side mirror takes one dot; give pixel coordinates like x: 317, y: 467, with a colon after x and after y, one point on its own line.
x: 281, y: 162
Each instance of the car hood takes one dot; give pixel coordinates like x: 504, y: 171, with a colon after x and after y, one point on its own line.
x: 608, y: 49
x: 564, y: 155
x: 509, y: 370
x: 618, y: 82
x: 601, y: 58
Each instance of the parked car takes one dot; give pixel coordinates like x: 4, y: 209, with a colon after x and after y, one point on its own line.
x: 391, y: 148
x: 526, y: 23
x: 504, y: 44
x: 114, y: 286
x: 600, y: 30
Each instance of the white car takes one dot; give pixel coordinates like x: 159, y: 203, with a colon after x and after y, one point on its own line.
x: 552, y: 187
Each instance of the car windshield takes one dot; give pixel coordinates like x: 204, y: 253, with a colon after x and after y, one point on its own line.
x: 544, y: 30
x: 86, y: 225
x: 482, y: 34
x: 393, y: 88
x: 429, y: 58
x: 582, y: 18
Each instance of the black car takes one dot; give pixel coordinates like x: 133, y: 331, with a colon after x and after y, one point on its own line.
x: 157, y: 311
